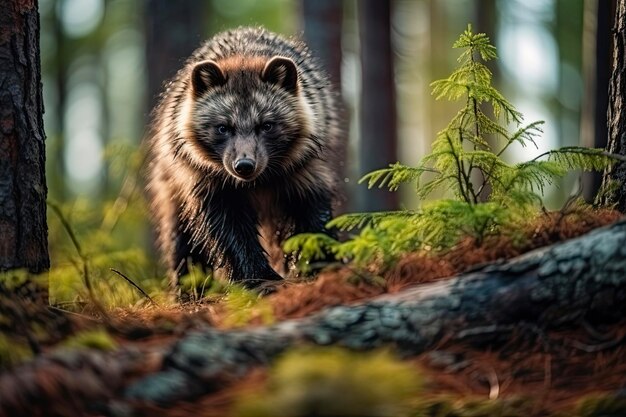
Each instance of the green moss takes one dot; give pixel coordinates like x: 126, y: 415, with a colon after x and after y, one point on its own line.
x: 602, y: 406
x: 334, y: 382
x: 518, y: 407
x: 91, y: 339
x: 12, y: 352
x: 243, y: 306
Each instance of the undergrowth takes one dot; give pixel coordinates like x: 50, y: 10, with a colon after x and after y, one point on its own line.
x: 88, y: 238
x: 102, y: 257
x: 487, y: 195
x: 339, y: 382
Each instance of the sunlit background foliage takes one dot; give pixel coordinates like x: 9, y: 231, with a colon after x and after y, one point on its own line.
x: 98, y: 94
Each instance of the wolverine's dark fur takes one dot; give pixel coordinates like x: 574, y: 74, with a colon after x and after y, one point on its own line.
x: 246, y: 94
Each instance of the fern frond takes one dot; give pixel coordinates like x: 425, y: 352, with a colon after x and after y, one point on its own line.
x: 393, y: 176
x: 310, y: 246
x: 526, y: 134
x: 522, y: 201
x: 443, y: 222
x: 578, y: 157
x: 370, y: 247
x: 488, y: 126
x: 501, y: 106
x: 531, y: 175
x: 478, y: 42
x: 449, y: 89
x: 352, y: 221
x: 478, y: 141
x: 445, y: 183
x: 472, y: 71
x: 485, y: 160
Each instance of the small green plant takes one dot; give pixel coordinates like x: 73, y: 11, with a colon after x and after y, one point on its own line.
x: 12, y: 352
x: 601, y: 405
x: 487, y: 194
x: 91, y: 339
x: 89, y: 238
x: 334, y: 382
x: 243, y: 306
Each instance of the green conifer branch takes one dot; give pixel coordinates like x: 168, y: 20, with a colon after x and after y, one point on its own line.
x: 459, y: 151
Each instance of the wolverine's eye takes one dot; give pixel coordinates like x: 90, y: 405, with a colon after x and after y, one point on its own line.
x: 222, y: 129
x: 267, y: 127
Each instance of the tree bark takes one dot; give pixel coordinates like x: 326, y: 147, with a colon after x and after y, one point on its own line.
x: 322, y: 31
x: 584, y: 278
x: 173, y: 30
x: 617, y: 111
x: 23, y: 228
x: 378, y: 135
x: 323, y: 24
x: 597, y: 72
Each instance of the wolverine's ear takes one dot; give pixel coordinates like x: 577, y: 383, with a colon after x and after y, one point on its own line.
x: 282, y: 72
x: 206, y: 75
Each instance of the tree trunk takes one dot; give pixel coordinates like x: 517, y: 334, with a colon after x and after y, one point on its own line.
x: 581, y: 279
x: 173, y: 30
x: 617, y: 112
x: 378, y: 135
x: 322, y: 31
x: 23, y: 228
x: 323, y: 24
x: 596, y: 72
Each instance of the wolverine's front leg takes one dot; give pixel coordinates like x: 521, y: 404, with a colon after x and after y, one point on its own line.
x: 233, y: 241
x: 309, y: 214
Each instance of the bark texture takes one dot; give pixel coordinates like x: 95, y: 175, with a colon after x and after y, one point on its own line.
x: 323, y: 24
x: 23, y: 228
x: 378, y: 133
x: 322, y: 31
x: 584, y: 278
x: 173, y: 30
x: 597, y: 64
x: 617, y: 110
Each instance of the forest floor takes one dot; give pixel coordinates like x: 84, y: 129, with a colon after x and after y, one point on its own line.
x: 531, y: 371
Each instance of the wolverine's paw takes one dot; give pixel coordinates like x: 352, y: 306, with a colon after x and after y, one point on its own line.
x: 264, y: 283
x: 267, y: 288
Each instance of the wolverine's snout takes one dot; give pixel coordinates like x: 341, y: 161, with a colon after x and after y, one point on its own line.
x: 245, y: 158
x: 244, y: 167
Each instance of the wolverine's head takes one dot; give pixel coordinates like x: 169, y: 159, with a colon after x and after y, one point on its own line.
x: 248, y: 116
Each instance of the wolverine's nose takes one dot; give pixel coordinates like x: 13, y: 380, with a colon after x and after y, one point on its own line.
x: 244, y: 167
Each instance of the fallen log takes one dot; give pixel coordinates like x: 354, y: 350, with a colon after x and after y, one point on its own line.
x: 584, y: 278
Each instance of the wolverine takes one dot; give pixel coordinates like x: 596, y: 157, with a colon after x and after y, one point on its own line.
x: 240, y: 155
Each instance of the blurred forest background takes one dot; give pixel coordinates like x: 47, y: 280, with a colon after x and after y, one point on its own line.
x: 104, y: 63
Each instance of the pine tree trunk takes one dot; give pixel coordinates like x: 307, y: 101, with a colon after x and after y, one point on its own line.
x: 322, y: 31
x: 616, y: 111
x: 596, y: 72
x: 23, y: 227
x: 378, y: 133
x: 173, y: 30
x: 323, y: 24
